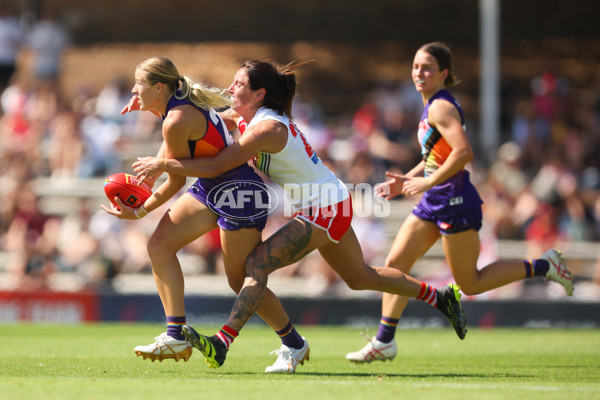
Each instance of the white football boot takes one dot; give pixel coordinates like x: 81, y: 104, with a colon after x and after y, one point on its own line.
x: 165, y: 347
x: 288, y: 359
x: 374, y: 351
x: 558, y: 271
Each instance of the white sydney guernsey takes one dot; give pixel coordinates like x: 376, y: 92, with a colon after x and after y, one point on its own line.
x: 297, y: 168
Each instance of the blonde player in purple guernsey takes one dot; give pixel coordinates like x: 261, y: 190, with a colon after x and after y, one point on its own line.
x: 192, y: 128
x: 450, y: 207
x: 262, y: 97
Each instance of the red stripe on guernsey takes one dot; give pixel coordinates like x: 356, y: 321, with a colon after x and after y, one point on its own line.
x: 211, y: 143
x: 214, y: 137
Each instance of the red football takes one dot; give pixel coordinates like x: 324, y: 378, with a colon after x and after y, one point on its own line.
x: 127, y: 188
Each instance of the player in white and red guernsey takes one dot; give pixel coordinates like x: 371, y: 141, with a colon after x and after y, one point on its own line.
x: 262, y: 95
x: 308, y: 183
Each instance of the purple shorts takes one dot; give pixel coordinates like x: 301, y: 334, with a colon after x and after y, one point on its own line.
x: 470, y: 219
x: 239, y: 198
x: 454, y: 206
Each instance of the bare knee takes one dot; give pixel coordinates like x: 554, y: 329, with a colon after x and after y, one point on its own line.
x: 469, y: 289
x: 361, y: 281
x: 355, y: 284
x: 159, y: 251
x: 403, y: 264
x: 155, y: 247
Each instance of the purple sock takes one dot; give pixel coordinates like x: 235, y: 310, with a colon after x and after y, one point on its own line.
x: 290, y: 337
x: 387, y: 329
x: 536, y: 268
x: 174, y: 325
x: 540, y: 267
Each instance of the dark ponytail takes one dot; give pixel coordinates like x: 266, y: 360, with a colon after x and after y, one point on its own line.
x: 441, y: 52
x: 279, y: 84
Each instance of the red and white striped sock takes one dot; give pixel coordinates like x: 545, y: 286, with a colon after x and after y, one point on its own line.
x: 227, y: 335
x: 428, y: 294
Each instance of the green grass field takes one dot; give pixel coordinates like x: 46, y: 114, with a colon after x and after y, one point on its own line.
x: 97, y: 362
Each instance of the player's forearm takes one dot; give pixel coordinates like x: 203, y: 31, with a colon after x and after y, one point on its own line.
x: 456, y: 161
x: 417, y: 170
x: 168, y: 189
x: 196, y: 167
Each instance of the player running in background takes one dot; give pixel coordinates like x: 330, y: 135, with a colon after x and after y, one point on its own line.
x: 192, y: 128
x: 450, y: 207
x: 262, y: 95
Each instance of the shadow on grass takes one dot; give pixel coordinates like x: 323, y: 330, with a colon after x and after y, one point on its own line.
x: 422, y: 376
x: 385, y: 375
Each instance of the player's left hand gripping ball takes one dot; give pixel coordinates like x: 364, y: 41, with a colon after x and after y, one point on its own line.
x: 127, y: 188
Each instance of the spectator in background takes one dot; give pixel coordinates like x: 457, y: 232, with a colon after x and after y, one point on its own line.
x: 47, y: 39
x: 43, y: 103
x: 12, y: 36
x: 108, y: 104
x: 32, y: 239
x: 18, y: 135
x: 14, y: 170
x: 99, y: 142
x: 97, y: 247
x: 80, y: 251
x: 65, y: 145
x: 513, y: 203
x: 382, y: 129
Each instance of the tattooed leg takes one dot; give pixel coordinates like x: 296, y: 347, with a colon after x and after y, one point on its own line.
x: 286, y: 246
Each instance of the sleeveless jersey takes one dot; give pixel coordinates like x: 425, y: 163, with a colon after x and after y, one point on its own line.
x: 233, y: 215
x: 216, y: 137
x: 457, y: 194
x: 434, y: 148
x: 297, y: 168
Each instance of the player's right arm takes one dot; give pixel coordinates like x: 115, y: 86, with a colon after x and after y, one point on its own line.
x: 267, y: 136
x: 176, y: 131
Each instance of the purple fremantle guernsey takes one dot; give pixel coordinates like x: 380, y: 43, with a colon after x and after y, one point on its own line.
x: 457, y: 194
x: 238, y: 196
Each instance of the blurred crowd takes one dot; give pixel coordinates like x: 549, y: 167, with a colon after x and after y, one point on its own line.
x: 543, y: 186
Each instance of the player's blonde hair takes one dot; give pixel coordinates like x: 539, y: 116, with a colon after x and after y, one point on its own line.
x: 162, y: 69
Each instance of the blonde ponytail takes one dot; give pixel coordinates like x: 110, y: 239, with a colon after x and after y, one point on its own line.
x: 203, y: 96
x: 162, y: 69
